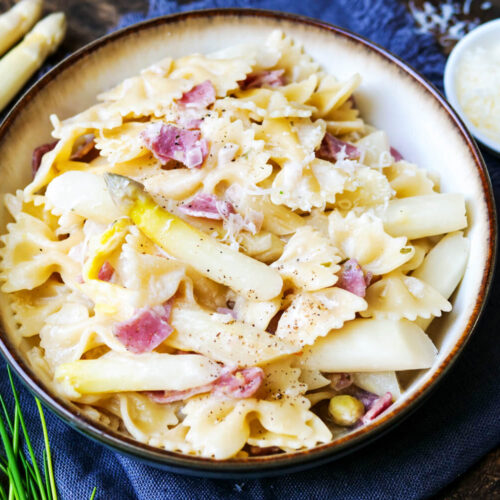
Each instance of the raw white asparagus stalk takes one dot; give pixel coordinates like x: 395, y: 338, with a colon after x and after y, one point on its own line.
x: 249, y: 277
x: 136, y: 372
x: 369, y: 345
x: 17, y: 67
x: 443, y: 267
x: 18, y: 21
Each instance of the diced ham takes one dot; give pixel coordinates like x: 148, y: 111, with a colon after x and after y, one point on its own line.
x: 208, y: 206
x: 37, y: 155
x: 378, y: 406
x: 258, y: 79
x: 226, y: 310
x: 340, y: 381
x: 168, y: 142
x: 147, y: 329
x: 87, y: 151
x: 106, y: 272
x: 353, y: 279
x: 332, y: 149
x: 240, y: 384
x: 200, y: 96
x: 396, y: 154
x: 237, y: 384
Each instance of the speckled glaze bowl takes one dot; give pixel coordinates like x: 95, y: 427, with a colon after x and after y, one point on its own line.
x: 420, y: 124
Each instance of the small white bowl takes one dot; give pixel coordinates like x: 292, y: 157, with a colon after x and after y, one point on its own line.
x: 483, y: 35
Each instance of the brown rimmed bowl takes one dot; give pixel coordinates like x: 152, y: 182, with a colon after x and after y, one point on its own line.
x: 394, y: 97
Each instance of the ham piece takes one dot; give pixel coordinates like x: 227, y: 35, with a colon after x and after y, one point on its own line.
x: 396, y: 154
x: 332, y: 149
x: 200, y: 96
x: 258, y: 79
x: 378, y: 406
x: 147, y: 329
x: 353, y: 279
x: 36, y: 158
x: 106, y: 272
x: 168, y: 142
x: 208, y: 206
x: 237, y: 384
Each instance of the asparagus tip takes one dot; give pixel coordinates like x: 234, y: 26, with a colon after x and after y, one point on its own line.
x: 123, y: 190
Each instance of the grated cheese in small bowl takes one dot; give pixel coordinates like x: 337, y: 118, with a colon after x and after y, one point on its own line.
x: 472, y: 83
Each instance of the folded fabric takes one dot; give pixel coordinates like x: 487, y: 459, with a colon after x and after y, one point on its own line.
x: 455, y: 427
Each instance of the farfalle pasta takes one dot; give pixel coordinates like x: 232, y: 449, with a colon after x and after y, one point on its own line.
x: 219, y: 247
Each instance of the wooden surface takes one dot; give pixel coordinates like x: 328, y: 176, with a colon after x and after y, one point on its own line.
x: 89, y: 19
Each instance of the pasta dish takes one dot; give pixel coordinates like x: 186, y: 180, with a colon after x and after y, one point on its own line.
x: 222, y: 258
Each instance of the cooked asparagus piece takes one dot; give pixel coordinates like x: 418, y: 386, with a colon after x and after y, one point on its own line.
x: 209, y: 257
x: 22, y: 61
x: 17, y: 21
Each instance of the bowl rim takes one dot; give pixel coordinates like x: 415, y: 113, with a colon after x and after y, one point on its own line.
x: 467, y: 42
x: 273, y: 464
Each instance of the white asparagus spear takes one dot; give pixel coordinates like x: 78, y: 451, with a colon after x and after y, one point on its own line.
x: 213, y: 259
x: 22, y: 61
x: 150, y: 371
x: 17, y: 21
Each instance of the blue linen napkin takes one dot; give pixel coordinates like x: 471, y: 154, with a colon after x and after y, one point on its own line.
x: 455, y: 427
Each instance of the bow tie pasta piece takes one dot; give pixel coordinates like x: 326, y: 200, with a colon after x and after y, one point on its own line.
x: 305, y: 188
x: 70, y: 332
x: 365, y: 187
x: 282, y: 380
x: 299, y: 92
x: 145, y: 420
x: 314, y: 314
x: 148, y: 94
x: 291, y: 140
x: 32, y: 252
x: 265, y: 103
x: 368, y: 345
x: 233, y: 343
x: 331, y: 94
x: 223, y: 73
x: 123, y: 143
x: 260, y: 57
x: 297, y: 64
x: 375, y: 149
x: 236, y: 156
x: 364, y: 239
x: 398, y: 296
x: 408, y: 180
x: 58, y: 159
x: 256, y: 313
x: 278, y: 219
x: 30, y: 308
x: 219, y: 428
x: 155, y: 278
x: 344, y: 120
x: 309, y: 260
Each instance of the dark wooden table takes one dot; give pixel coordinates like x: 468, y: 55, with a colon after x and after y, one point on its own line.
x: 90, y: 19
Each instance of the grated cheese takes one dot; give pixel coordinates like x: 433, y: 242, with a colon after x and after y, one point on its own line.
x: 478, y: 88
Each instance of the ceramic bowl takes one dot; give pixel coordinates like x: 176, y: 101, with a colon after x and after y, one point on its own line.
x: 482, y: 36
x: 420, y: 124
